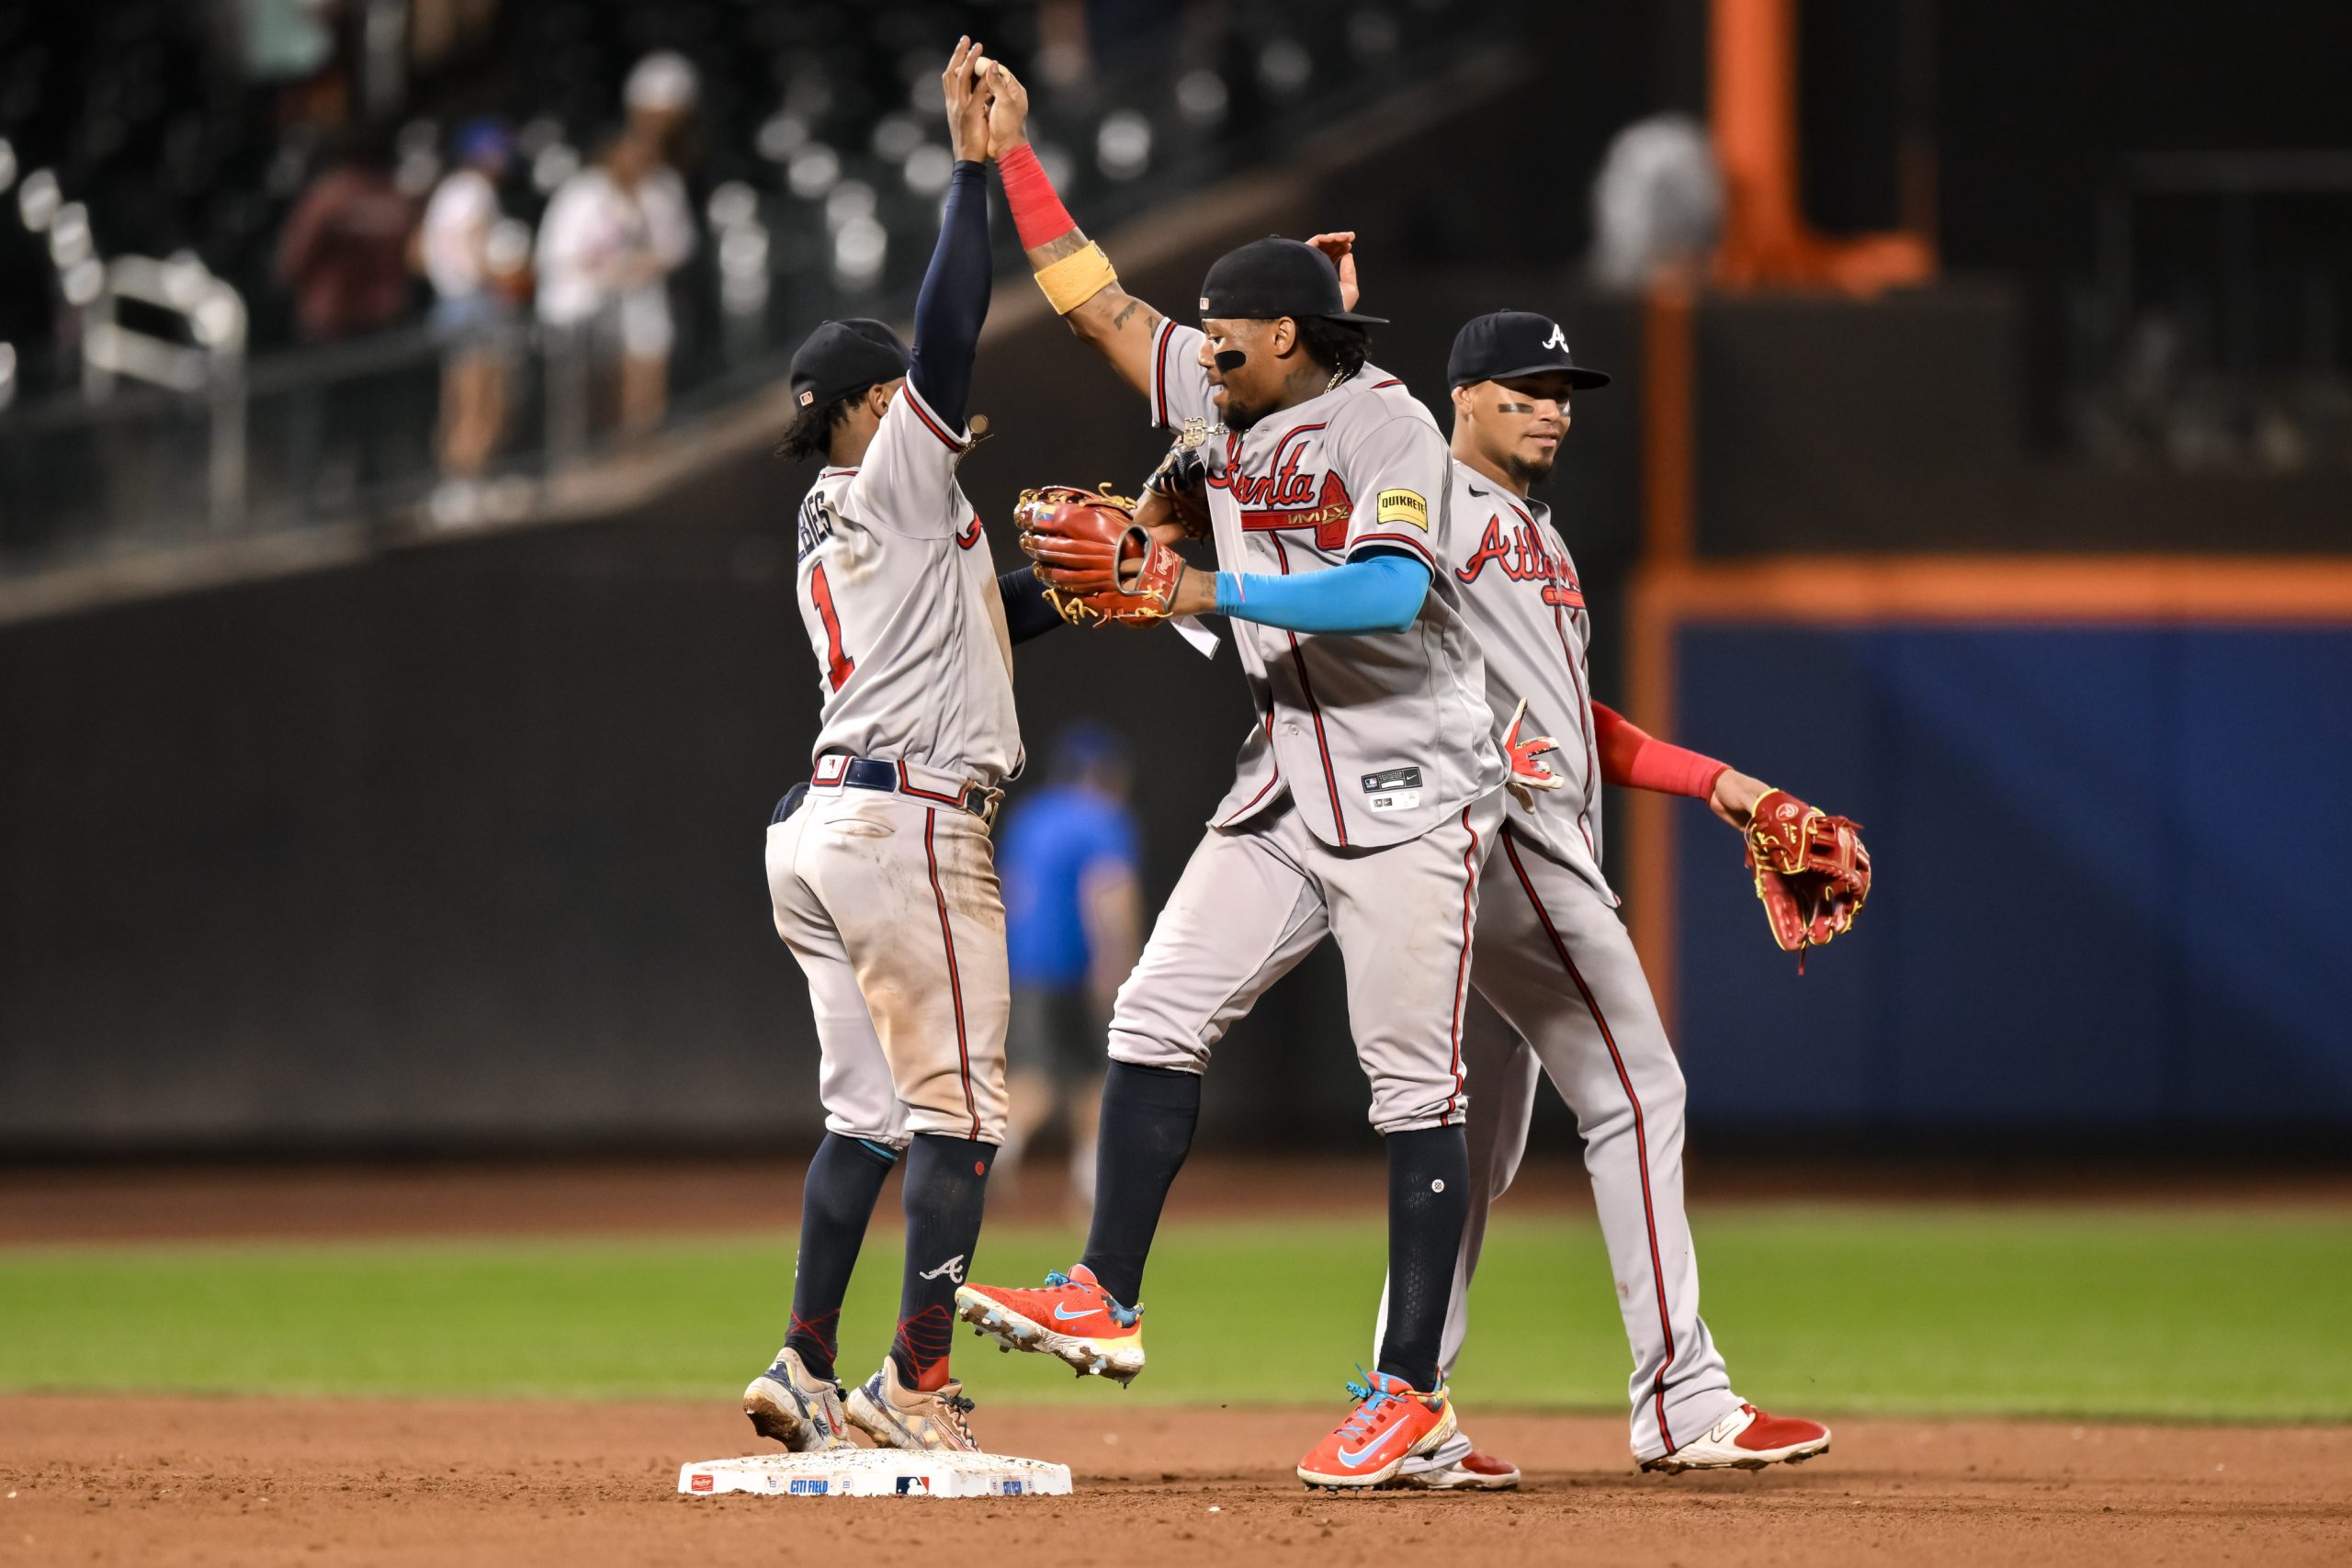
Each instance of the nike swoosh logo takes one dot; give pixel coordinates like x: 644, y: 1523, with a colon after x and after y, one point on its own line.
x: 1366, y: 1452
x: 1061, y: 1316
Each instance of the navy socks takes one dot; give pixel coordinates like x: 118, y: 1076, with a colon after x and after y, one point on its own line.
x: 1148, y: 1114
x: 1429, y: 1204
x: 845, y: 1179
x: 947, y: 1184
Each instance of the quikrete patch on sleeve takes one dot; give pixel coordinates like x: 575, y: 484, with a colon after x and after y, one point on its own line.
x: 1404, y: 506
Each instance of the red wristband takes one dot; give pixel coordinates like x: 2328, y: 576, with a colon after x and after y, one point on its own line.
x: 1037, y: 210
x: 1633, y: 759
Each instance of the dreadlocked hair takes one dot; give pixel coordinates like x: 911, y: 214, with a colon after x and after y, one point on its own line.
x: 810, y: 434
x: 1342, y: 346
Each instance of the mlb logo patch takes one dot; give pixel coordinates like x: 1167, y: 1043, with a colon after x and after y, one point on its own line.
x: 913, y: 1485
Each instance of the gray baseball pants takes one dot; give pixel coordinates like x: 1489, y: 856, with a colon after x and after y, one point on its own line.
x: 1560, y: 987
x: 1256, y: 898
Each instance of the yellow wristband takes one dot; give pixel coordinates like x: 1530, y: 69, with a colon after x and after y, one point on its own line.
x: 1076, y: 278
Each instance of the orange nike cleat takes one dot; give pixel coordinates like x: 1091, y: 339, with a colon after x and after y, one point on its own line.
x: 1392, y: 1422
x: 1072, y: 1319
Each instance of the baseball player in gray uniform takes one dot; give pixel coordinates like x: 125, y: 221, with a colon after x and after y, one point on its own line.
x: 1364, y: 800
x: 1557, y: 981
x: 881, y: 868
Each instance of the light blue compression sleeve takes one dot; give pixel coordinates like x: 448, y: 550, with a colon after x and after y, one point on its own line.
x: 1379, y: 593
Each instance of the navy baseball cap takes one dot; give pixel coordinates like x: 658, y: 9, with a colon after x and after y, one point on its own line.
x: 840, y: 358
x: 1507, y: 343
x: 1274, y: 276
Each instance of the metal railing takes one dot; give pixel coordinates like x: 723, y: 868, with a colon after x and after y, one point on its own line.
x: 171, y: 443
x: 2214, y: 334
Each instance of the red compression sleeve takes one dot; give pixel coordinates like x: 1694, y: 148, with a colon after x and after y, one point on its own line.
x: 1637, y: 759
x: 1037, y: 210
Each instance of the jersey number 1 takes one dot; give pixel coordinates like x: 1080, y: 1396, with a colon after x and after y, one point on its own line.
x: 839, y: 665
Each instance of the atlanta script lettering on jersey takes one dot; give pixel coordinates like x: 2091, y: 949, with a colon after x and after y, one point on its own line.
x: 1521, y: 557
x: 1289, y: 499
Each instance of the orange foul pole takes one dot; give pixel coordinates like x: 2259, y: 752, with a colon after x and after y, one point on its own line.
x: 1766, y: 242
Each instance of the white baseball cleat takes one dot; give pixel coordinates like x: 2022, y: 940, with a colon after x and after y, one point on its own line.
x: 897, y: 1416
x: 1474, y: 1470
x: 795, y: 1407
x: 1747, y: 1439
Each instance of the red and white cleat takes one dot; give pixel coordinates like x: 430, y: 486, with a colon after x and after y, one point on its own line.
x: 1747, y: 1439
x: 1072, y: 1319
x: 1476, y: 1470
x: 1392, y: 1422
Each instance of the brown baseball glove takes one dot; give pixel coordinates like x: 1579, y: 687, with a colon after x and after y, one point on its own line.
x: 1810, y: 870
x: 1099, y: 565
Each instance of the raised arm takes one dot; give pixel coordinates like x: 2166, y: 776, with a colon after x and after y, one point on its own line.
x: 1072, y: 268
x: 953, y: 300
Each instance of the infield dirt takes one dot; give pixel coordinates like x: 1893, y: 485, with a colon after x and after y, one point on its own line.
x: 161, y: 1481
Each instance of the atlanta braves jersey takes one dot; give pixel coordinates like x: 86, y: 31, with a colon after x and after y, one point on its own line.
x: 899, y: 594
x: 1374, y: 739
x: 1520, y: 590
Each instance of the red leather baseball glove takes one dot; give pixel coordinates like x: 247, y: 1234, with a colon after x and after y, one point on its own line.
x: 1810, y: 870
x: 1097, y: 563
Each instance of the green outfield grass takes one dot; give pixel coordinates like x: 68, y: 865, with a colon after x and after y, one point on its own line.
x: 2126, y: 1313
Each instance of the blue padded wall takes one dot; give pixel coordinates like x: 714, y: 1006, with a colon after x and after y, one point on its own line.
x: 2114, y: 868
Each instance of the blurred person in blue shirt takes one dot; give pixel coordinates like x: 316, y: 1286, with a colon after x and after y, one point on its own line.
x: 1073, y: 905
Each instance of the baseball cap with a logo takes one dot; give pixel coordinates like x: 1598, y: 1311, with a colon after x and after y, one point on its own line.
x: 1505, y: 344
x: 845, y: 356
x: 1274, y: 276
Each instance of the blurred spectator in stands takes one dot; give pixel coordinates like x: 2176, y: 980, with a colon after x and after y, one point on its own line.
x: 1657, y: 201
x: 1073, y: 905
x: 660, y: 98
x: 604, y: 278
x: 343, y: 252
x: 475, y: 290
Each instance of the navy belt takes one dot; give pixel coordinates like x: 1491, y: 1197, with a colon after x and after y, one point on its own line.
x: 878, y: 773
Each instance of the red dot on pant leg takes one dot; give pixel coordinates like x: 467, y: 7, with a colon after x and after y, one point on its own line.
x: 979, y: 1168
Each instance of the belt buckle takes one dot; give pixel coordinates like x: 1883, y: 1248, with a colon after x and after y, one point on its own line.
x: 992, y: 797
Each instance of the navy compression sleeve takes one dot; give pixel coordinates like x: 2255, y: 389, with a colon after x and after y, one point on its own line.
x: 1026, y: 613
x: 1377, y: 592
x: 954, y: 298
